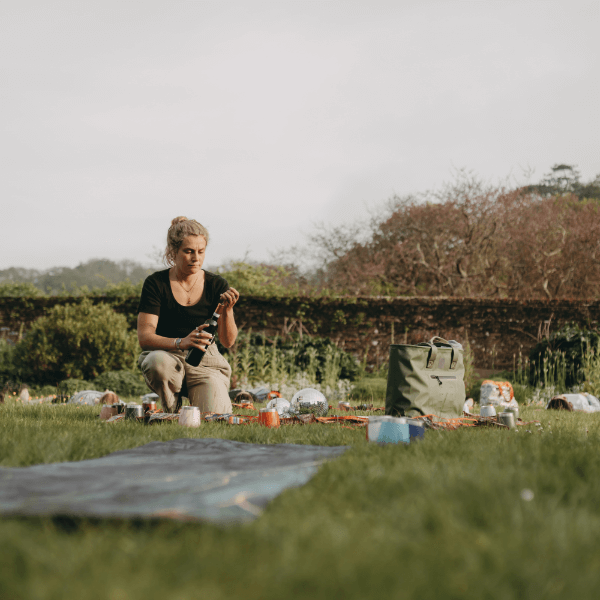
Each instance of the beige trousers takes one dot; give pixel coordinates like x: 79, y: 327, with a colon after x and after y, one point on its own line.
x: 207, y: 384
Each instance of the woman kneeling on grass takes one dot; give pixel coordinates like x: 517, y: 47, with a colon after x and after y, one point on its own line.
x: 173, y: 306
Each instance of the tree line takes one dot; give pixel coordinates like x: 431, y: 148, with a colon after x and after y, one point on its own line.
x: 96, y: 275
x: 467, y: 239
x: 471, y: 239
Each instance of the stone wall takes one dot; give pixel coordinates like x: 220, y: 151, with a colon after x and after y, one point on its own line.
x: 497, y: 329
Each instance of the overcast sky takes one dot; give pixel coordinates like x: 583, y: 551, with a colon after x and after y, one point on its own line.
x: 260, y: 119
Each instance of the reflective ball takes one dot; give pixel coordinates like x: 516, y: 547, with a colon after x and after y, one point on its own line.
x: 309, y: 400
x: 282, y: 406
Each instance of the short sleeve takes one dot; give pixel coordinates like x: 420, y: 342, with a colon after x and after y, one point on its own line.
x: 219, y: 286
x: 150, y: 298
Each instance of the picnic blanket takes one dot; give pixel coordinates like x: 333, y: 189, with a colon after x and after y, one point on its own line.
x: 221, y: 481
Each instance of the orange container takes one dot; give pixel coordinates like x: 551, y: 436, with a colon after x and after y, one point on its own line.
x: 269, y: 417
x: 236, y: 420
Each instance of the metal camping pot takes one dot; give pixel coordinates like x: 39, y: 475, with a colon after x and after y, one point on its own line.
x: 487, y: 411
x: 133, y: 411
x: 514, y: 410
x: 508, y: 419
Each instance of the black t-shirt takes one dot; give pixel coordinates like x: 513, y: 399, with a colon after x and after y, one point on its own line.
x: 174, y: 319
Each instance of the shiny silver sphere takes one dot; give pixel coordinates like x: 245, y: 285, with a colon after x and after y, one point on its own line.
x: 308, y: 401
x: 282, y: 406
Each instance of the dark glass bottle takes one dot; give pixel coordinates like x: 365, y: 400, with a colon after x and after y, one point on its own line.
x: 195, y: 355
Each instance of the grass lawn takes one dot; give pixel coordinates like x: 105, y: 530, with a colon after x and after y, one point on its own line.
x: 443, y: 518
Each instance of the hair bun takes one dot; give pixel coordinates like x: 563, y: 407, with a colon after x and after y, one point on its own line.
x: 178, y: 220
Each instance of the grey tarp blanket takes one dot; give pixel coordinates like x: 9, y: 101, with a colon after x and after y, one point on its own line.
x: 217, y: 480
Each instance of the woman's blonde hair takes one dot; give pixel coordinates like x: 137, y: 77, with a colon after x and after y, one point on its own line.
x: 180, y: 228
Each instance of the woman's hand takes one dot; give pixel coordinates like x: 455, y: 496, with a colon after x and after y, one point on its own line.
x: 229, y: 298
x: 197, y: 339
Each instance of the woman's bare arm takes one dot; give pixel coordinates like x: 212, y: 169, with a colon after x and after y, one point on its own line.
x: 227, y: 328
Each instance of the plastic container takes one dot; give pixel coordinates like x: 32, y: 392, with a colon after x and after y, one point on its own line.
x: 269, y: 417
x: 149, y: 404
x: 416, y: 429
x: 236, y: 420
x: 388, y: 430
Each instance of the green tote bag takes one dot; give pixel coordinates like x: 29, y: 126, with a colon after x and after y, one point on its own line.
x: 426, y: 379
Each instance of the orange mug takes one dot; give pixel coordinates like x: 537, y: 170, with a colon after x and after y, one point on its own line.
x: 269, y: 417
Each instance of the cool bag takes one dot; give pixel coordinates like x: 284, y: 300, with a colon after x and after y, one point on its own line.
x: 426, y: 379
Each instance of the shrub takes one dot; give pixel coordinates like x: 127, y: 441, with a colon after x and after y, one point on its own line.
x: 370, y: 390
x: 522, y: 393
x: 76, y: 341
x: 471, y: 379
x: 46, y: 390
x: 559, y: 358
x: 123, y: 383
x: 251, y: 357
x: 10, y: 289
x: 349, y: 369
x: 70, y: 386
x: 7, y: 351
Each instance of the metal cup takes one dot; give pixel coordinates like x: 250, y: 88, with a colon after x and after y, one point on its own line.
x: 133, y: 411
x: 514, y: 410
x: 487, y: 411
x: 508, y: 419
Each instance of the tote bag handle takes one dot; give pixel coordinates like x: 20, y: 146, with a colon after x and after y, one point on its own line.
x: 433, y: 352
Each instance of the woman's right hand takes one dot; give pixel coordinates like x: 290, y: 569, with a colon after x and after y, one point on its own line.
x: 197, y: 339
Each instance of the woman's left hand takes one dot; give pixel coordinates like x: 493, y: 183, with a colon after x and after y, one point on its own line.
x: 229, y: 298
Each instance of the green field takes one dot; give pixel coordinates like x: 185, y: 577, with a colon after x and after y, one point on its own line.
x: 443, y: 518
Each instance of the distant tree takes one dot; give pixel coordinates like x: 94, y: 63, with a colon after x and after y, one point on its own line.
x: 566, y: 179
x: 261, y: 279
x: 95, y: 276
x: 19, y: 275
x: 590, y: 190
